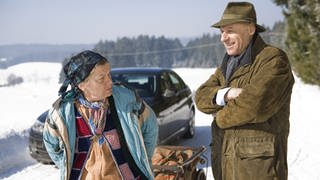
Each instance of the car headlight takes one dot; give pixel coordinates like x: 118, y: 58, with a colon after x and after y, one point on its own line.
x: 38, y: 126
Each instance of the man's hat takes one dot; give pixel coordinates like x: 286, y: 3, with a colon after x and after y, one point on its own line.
x: 236, y: 12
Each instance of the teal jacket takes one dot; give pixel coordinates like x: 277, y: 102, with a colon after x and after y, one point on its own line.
x: 141, y: 134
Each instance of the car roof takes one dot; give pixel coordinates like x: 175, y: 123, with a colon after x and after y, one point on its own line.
x: 153, y: 70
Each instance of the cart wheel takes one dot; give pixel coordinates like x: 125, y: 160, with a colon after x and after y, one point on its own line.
x: 201, y: 175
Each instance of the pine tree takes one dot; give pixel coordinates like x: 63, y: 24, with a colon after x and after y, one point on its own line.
x: 303, y: 37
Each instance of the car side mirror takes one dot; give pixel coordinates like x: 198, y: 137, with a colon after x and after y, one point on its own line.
x: 168, y: 93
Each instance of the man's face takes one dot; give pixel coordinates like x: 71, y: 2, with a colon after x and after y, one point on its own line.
x: 98, y: 85
x: 236, y: 37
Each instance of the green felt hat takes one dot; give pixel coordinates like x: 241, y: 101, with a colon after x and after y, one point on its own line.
x: 236, y: 12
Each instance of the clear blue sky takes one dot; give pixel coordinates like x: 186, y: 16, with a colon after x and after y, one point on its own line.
x: 88, y: 21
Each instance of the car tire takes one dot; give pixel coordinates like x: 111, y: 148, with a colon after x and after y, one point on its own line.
x: 201, y: 175
x: 191, y: 127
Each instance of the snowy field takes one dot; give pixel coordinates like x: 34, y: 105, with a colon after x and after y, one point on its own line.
x: 21, y: 104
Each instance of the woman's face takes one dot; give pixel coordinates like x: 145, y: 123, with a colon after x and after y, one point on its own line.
x: 98, y: 85
x: 236, y: 37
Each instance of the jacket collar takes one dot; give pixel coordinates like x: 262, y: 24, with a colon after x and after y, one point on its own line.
x: 257, y: 44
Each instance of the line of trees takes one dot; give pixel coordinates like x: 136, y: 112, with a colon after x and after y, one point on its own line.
x: 146, y: 51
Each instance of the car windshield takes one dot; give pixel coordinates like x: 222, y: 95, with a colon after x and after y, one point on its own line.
x: 144, y: 84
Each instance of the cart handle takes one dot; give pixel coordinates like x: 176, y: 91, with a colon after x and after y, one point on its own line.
x: 195, y: 155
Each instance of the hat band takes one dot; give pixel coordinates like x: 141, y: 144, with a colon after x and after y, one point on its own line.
x: 238, y: 17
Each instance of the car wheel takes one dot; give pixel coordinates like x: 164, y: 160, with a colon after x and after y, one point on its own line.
x: 191, y: 128
x: 201, y: 175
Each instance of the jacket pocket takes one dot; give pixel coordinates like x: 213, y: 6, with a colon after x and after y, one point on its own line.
x: 255, y: 158
x: 255, y: 149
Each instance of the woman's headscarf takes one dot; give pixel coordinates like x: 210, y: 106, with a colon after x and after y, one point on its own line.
x: 78, y: 69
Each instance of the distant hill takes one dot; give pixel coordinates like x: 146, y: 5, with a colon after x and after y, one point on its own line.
x: 19, y: 53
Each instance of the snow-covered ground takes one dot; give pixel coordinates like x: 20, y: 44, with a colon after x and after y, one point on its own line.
x: 21, y: 104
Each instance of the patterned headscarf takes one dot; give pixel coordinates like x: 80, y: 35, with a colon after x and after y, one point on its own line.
x: 78, y: 69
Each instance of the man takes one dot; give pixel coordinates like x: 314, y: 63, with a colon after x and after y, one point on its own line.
x: 98, y: 130
x: 249, y: 96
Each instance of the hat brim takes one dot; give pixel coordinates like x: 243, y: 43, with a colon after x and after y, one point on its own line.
x: 225, y: 22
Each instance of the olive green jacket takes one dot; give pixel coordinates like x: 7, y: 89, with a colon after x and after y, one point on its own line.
x: 250, y: 132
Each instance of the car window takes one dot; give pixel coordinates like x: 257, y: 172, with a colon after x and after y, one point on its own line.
x: 144, y: 84
x: 165, y: 82
x: 175, y: 80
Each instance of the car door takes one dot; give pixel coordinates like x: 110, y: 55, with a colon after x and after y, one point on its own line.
x: 181, y: 112
x: 166, y: 107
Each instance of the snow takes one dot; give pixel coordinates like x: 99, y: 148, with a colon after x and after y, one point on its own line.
x: 22, y: 104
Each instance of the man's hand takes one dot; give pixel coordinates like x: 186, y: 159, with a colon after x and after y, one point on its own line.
x: 232, y: 94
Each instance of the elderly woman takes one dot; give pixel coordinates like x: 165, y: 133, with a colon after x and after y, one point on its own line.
x: 97, y: 130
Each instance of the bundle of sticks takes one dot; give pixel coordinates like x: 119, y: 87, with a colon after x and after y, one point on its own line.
x: 169, y: 157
